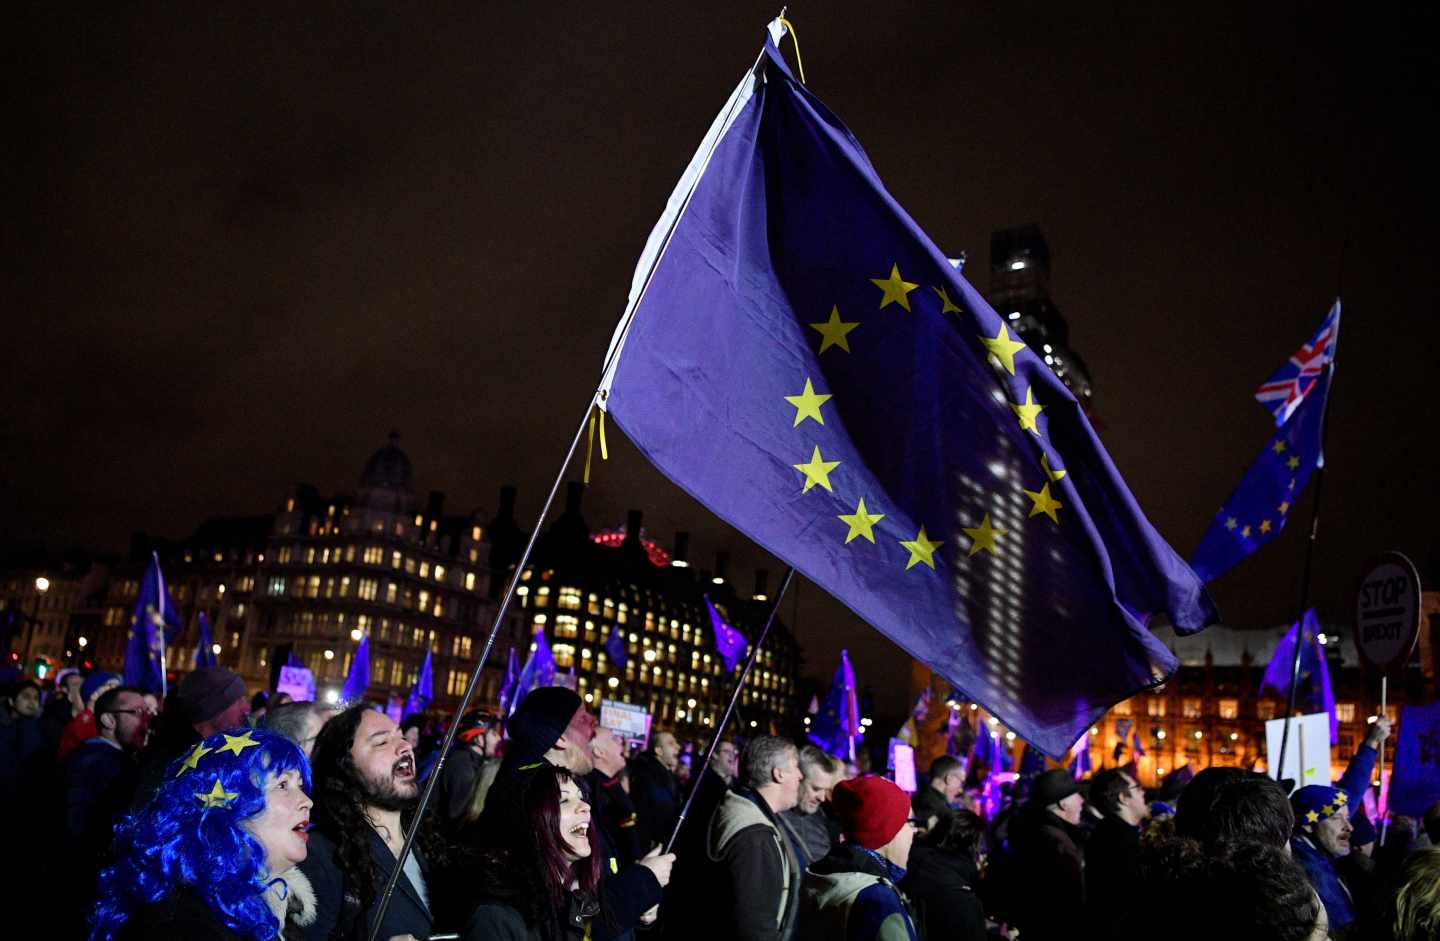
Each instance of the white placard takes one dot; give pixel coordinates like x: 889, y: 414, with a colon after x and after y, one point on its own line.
x: 298, y: 682
x: 626, y: 720
x: 1307, y: 757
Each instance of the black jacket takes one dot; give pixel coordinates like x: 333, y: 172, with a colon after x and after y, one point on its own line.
x: 1111, y: 854
x: 656, y: 793
x: 944, y: 888
x: 752, y: 878
x: 182, y: 915
x: 617, y: 811
x: 494, y: 920
x: 338, y: 912
x: 1048, y: 858
x: 99, y: 780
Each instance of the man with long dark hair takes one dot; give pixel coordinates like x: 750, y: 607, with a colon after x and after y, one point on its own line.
x: 365, y: 791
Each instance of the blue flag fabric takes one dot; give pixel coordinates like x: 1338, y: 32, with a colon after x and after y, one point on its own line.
x: 1415, y: 779
x: 293, y: 659
x: 423, y: 692
x: 1032, y: 762
x: 153, y: 623
x: 1261, y: 503
x: 539, y: 669
x: 615, y: 647
x: 1139, y: 749
x: 805, y: 362
x: 990, y: 749
x: 358, y: 679
x: 510, y: 683
x: 1314, y: 694
x: 836, y: 727
x: 1080, y: 758
x: 205, y: 644
x: 730, y: 643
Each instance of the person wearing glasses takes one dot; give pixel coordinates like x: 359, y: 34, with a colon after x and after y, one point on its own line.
x: 98, y: 780
x: 1113, y: 849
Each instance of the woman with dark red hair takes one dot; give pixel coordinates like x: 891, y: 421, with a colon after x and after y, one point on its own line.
x: 539, y: 878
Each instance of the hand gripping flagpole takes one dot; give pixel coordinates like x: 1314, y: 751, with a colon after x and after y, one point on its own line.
x: 1305, y: 577
x: 729, y: 709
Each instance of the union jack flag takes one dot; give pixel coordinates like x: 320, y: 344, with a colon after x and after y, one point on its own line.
x: 1283, y: 392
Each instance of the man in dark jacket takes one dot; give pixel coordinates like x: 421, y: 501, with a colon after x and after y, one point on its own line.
x: 1113, y: 848
x: 932, y: 802
x: 943, y: 879
x: 609, y: 799
x: 853, y: 894
x: 469, y: 770
x: 1045, y: 840
x: 655, y: 789
x: 753, y: 873
x: 819, y: 775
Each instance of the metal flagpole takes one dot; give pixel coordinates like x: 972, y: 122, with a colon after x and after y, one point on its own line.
x: 1305, y: 573
x: 470, y: 688
x: 734, y: 698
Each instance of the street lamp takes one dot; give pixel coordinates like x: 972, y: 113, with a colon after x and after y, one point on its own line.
x: 42, y: 585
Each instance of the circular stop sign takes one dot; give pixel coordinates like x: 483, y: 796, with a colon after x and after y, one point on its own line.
x: 1387, y: 610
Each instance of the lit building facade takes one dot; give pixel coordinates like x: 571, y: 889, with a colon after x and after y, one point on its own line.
x: 582, y: 585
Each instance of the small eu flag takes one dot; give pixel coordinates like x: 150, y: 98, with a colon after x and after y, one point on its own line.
x: 423, y: 692
x: 539, y: 670
x: 205, y: 645
x: 152, y: 624
x: 1260, y: 505
x: 1314, y: 671
x: 357, y: 681
x: 800, y: 357
x: 837, y: 725
x: 615, y: 647
x: 729, y: 643
x: 510, y: 685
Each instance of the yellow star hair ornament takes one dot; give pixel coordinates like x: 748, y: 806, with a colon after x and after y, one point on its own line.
x: 235, y: 744
x: 218, y: 797
x: 192, y: 760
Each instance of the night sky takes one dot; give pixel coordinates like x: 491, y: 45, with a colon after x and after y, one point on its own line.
x: 244, y: 245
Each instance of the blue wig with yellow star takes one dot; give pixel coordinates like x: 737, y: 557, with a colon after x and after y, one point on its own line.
x: 190, y: 836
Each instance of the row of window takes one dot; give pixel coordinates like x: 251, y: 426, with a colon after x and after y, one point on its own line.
x: 1193, y: 708
x: 372, y: 555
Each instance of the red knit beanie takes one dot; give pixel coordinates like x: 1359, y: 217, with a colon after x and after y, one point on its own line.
x: 871, y: 810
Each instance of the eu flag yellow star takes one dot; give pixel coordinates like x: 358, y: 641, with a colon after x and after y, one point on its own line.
x: 1028, y: 412
x: 817, y: 471
x: 1057, y: 474
x: 921, y: 549
x: 1043, y: 503
x: 218, y: 796
x: 235, y: 744
x: 984, y: 535
x: 1293, y: 463
x: 1231, y: 523
x: 947, y: 306
x: 1285, y: 507
x: 861, y: 522
x: 897, y: 289
x: 1264, y: 526
x: 1003, y: 348
x: 1312, y: 816
x: 1278, y: 447
x: 834, y: 331
x: 807, y: 404
x: 1245, y: 532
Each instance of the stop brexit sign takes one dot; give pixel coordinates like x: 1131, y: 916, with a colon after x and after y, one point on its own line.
x: 1387, y: 610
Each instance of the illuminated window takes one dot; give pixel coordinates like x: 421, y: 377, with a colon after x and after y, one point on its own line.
x: 439, y: 572
x: 283, y: 556
x: 390, y: 591
x: 312, y: 587
x: 1122, y: 708
x: 542, y: 596
x: 1229, y: 708
x: 475, y: 533
x: 1265, y: 709
x: 566, y: 625
x: 623, y: 614
x: 423, y: 602
x: 1155, y: 707
x: 367, y: 588
x: 395, y: 558
x: 344, y: 586
x: 409, y: 565
x: 277, y: 585
x: 417, y: 637
x: 1345, y: 712
x: 397, y: 673
x: 349, y: 554
x: 424, y: 569
x: 1190, y: 708
x: 469, y: 581
x: 439, y: 610
x: 569, y: 599
x: 592, y: 604
x: 329, y: 591
x: 564, y: 655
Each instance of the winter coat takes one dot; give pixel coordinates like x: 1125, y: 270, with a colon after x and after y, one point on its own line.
x: 812, y: 835
x: 1320, y: 868
x: 928, y: 803
x: 615, y: 808
x: 1111, y: 854
x: 1046, y: 857
x: 337, y: 904
x: 465, y: 771
x: 853, y: 894
x: 944, y: 891
x: 22, y: 754
x: 98, y: 781
x: 656, y: 793
x: 754, y: 873
x: 182, y: 915
x: 494, y: 920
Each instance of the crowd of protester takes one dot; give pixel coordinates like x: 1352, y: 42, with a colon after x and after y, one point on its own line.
x: 218, y: 815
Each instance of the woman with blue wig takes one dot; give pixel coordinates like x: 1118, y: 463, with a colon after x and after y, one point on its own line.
x: 214, y: 854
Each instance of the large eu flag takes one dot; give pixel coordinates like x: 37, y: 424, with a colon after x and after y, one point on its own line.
x: 809, y: 365
x: 153, y: 623
x: 1314, y: 679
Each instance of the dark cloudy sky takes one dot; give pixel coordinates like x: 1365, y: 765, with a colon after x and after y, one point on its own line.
x: 244, y: 242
